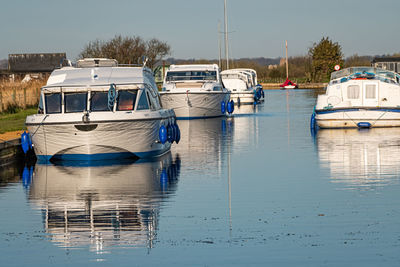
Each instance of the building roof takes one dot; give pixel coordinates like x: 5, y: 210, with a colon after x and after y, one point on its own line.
x: 40, y: 62
x: 386, y: 59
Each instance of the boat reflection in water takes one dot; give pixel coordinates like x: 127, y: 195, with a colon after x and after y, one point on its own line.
x: 361, y: 158
x: 246, y: 127
x: 203, y: 143
x: 104, y: 206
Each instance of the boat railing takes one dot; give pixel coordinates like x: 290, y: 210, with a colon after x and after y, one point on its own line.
x: 364, y: 72
x: 190, y: 79
x: 85, y: 87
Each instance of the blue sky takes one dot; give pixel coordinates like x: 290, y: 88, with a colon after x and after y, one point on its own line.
x: 259, y: 27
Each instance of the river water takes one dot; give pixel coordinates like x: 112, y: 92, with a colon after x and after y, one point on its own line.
x: 252, y: 190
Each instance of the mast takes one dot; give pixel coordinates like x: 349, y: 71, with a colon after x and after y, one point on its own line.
x: 226, y: 36
x: 219, y: 44
x: 287, y: 65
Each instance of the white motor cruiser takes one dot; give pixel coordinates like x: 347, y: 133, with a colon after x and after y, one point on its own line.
x: 194, y: 91
x: 243, y: 85
x: 360, y: 97
x: 98, y: 111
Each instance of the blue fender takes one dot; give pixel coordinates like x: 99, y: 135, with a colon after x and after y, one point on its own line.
x: 223, y: 107
x: 25, y: 142
x: 162, y: 134
x: 169, y: 133
x: 312, y: 121
x: 178, y: 134
x: 230, y: 106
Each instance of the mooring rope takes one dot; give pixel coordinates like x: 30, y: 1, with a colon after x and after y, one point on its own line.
x: 379, y: 117
x: 45, y: 117
x: 351, y: 119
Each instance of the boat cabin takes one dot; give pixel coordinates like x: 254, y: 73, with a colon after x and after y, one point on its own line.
x: 193, y: 76
x: 238, y: 79
x: 99, y: 86
x: 361, y: 86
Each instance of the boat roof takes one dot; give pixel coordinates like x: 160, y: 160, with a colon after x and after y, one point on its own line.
x: 194, y: 67
x: 97, y: 76
x: 231, y: 71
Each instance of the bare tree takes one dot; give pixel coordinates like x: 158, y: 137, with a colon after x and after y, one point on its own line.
x: 156, y: 50
x: 127, y: 50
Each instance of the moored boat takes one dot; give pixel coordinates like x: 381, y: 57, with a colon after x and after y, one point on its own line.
x: 194, y: 91
x: 243, y: 85
x: 360, y: 97
x: 98, y: 111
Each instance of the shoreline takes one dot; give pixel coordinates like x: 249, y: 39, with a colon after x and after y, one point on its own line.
x: 271, y: 86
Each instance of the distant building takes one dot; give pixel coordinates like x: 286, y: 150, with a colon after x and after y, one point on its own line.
x: 35, y: 63
x: 387, y: 63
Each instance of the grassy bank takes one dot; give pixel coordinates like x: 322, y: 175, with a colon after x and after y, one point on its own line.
x: 15, y: 121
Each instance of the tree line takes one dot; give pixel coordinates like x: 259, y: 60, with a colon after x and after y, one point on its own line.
x: 315, y: 66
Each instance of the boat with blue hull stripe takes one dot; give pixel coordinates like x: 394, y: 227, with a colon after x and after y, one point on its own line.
x: 357, y: 109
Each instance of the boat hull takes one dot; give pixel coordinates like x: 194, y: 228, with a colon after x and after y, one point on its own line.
x: 358, y: 118
x: 244, y: 98
x: 195, y: 105
x: 98, y: 140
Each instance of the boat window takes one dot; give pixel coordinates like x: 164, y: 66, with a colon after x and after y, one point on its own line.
x: 53, y: 103
x: 353, y: 92
x: 126, y: 99
x: 99, y: 101
x: 142, y: 104
x: 40, y: 107
x: 191, y: 75
x: 370, y: 91
x: 159, y: 101
x: 150, y: 101
x: 75, y: 102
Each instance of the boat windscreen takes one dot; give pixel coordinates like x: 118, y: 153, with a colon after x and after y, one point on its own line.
x: 126, y: 99
x: 53, y: 103
x: 143, y: 103
x: 191, y: 76
x: 75, y: 102
x: 99, y: 101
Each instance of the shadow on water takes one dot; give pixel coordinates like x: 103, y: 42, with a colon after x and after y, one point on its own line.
x: 103, y: 205
x: 366, y: 159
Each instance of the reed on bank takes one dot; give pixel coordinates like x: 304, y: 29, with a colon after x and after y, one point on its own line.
x: 19, y: 95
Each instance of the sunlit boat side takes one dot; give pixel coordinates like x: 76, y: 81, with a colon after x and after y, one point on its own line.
x: 98, y: 111
x: 243, y: 85
x: 361, y: 97
x: 194, y: 91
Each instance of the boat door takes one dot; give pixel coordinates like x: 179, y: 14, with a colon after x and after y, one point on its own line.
x: 370, y: 94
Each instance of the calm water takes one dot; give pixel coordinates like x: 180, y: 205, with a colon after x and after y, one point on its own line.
x: 252, y: 190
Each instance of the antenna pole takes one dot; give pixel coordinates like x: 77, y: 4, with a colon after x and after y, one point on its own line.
x: 226, y: 36
x: 287, y: 65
